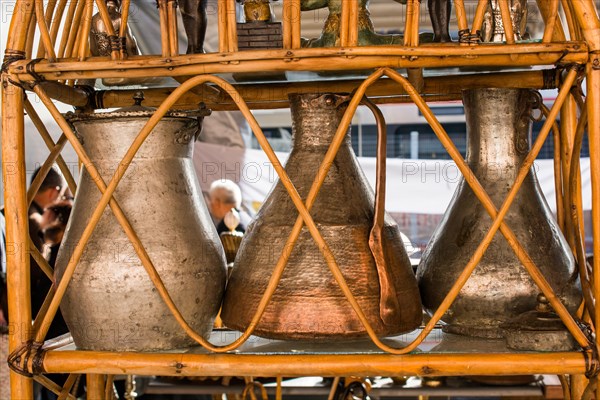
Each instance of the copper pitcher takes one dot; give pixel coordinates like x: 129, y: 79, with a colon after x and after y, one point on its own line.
x: 499, y: 289
x: 308, y: 303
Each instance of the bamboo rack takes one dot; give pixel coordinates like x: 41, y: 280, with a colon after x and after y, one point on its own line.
x: 567, y: 52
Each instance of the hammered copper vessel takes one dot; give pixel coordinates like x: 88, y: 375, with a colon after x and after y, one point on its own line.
x: 111, y: 304
x: 498, y: 127
x: 308, y: 304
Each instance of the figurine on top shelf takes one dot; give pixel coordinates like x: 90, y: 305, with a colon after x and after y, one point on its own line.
x: 193, y: 14
x: 100, y: 41
x: 330, y: 37
x: 493, y: 27
x: 101, y: 44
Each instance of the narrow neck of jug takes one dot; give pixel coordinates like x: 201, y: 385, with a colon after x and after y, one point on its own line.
x: 315, y: 118
x: 498, y: 127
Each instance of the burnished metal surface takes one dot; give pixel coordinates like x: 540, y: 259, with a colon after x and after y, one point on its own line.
x: 111, y: 304
x: 498, y: 126
x: 308, y: 303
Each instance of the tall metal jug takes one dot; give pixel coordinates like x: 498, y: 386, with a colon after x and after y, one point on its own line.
x: 111, y: 304
x: 308, y: 303
x: 498, y: 127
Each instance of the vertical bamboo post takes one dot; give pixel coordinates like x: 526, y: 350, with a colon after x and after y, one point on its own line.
x: 30, y: 37
x: 85, y: 30
x: 578, y: 384
x: 95, y: 387
x: 461, y: 17
x: 164, y: 28
x: 222, y: 11
x: 73, y: 29
x: 172, y: 24
x: 232, y: 42
x: 46, y: 45
x: 478, y: 19
x: 297, y: 10
x: 23, y: 13
x: 569, y: 18
x: 353, y: 23
x: 345, y: 21
x: 286, y: 23
x: 56, y: 20
x: 17, y: 229
x: 66, y: 32
x: 553, y: 27
x: 124, y: 28
x: 568, y: 126
x: 586, y: 14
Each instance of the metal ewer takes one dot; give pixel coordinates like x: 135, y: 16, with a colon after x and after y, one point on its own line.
x: 111, y: 304
x: 498, y: 127
x: 308, y: 303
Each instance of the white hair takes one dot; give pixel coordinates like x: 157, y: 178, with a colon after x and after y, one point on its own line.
x: 226, y: 191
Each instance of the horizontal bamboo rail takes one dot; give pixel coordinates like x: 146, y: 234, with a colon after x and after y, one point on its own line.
x: 275, y: 95
x: 292, y: 365
x: 326, y: 59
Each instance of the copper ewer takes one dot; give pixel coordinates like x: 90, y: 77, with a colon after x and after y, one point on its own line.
x: 111, y: 303
x: 500, y: 288
x: 308, y: 303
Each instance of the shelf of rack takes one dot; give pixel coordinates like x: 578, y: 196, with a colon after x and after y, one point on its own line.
x: 434, y: 72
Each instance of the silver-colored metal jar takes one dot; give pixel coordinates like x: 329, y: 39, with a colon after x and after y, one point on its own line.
x: 111, y: 303
x: 499, y: 289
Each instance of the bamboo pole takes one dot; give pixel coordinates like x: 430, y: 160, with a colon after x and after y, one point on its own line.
x: 461, y: 17
x: 306, y: 60
x: 84, y: 41
x: 164, y: 29
x: 578, y: 384
x: 296, y: 23
x: 509, y: 32
x: 569, y: 18
x: 353, y: 23
x: 295, y: 365
x: 478, y: 18
x: 37, y: 122
x: 557, y: 164
x: 23, y: 14
x: 95, y: 387
x: 17, y: 235
x: 568, y: 124
x: 45, y: 168
x: 553, y: 27
x: 593, y: 99
x: 222, y: 13
x: 54, y: 388
x: 344, y: 24
x: 46, y: 44
x: 576, y: 208
x: 232, y: 39
x: 172, y: 27
x: 124, y: 27
x: 67, y: 28
x: 75, y: 28
x: 287, y: 20
x: 31, y: 37
x: 57, y: 19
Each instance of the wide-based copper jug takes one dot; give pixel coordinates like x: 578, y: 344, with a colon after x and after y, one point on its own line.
x: 308, y: 304
x: 498, y: 128
x: 111, y: 303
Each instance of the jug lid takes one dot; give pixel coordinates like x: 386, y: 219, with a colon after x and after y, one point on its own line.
x: 138, y: 110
